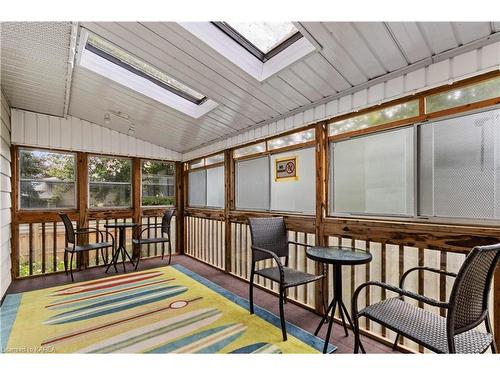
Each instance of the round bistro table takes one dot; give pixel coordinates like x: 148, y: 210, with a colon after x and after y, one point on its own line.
x: 121, y: 244
x: 337, y: 256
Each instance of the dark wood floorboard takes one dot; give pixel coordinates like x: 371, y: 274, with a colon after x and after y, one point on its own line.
x: 294, y: 314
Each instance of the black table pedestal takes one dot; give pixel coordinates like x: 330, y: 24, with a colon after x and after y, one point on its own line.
x: 337, y: 300
x: 120, y: 249
x: 337, y: 256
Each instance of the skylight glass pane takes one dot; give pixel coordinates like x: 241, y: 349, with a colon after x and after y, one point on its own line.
x: 149, y: 70
x: 265, y: 35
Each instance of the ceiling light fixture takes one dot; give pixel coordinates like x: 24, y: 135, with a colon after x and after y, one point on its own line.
x: 107, y: 118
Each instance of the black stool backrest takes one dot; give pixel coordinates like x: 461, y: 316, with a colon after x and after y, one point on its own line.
x: 68, y: 226
x: 269, y: 233
x: 470, y: 294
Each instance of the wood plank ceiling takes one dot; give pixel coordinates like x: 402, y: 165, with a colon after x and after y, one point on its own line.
x: 34, y: 70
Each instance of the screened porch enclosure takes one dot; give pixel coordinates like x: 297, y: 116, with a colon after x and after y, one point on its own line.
x: 389, y: 149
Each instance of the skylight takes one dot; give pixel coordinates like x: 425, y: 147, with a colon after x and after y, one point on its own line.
x: 263, y: 39
x: 108, y: 60
x: 121, y: 57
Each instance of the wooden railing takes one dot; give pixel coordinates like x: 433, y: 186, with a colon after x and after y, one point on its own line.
x: 41, y: 244
x: 206, y: 240
x: 395, y: 247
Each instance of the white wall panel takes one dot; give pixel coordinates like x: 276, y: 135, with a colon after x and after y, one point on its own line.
x: 36, y: 129
x: 439, y: 72
x: 5, y: 196
x: 462, y: 66
x: 415, y: 80
x: 55, y: 132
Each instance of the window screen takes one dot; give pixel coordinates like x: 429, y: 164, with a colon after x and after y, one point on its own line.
x: 215, y: 187
x: 158, y: 183
x: 252, y: 184
x: 373, y: 174
x: 47, y: 180
x: 460, y: 167
x: 197, y: 188
x: 110, y: 182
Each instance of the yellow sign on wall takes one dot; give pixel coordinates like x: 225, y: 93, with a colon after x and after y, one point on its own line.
x: 286, y: 169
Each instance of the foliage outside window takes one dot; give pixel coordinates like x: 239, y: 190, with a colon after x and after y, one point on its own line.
x: 214, y: 159
x: 209, y: 160
x: 250, y: 150
x: 292, y: 139
x: 47, y: 180
x: 158, y: 183
x: 110, y: 182
x: 379, y: 117
x: 463, y: 95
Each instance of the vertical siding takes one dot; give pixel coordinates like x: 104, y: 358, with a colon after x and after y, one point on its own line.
x: 40, y: 130
x: 459, y: 67
x: 5, y: 201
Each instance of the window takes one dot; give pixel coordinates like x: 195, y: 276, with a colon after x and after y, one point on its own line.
x: 262, y: 39
x: 460, y: 167
x: 110, y: 182
x: 252, y: 184
x: 206, y: 182
x: 197, y: 188
x: 47, y: 180
x: 373, y: 174
x: 118, y: 56
x: 107, y: 59
x: 158, y: 183
x: 387, y: 115
x: 258, y: 189
x: 292, y: 139
x: 473, y: 93
x: 250, y: 150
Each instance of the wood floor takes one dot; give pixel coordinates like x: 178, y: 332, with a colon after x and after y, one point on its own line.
x: 294, y: 314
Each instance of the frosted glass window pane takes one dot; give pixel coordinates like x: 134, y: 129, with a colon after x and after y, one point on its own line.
x: 295, y: 195
x: 252, y: 184
x: 214, y: 159
x: 215, y: 187
x: 291, y: 139
x: 460, y: 167
x: 379, y: 117
x: 463, y: 95
x: 265, y: 35
x: 250, y: 150
x: 374, y: 174
x: 196, y: 163
x: 197, y: 188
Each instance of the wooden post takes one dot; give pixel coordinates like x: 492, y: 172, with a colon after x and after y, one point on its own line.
x: 14, y: 227
x: 136, y: 199
x: 82, y: 174
x: 321, y: 175
x: 228, y: 205
x: 179, y: 205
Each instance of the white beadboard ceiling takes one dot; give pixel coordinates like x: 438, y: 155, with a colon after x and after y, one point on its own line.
x: 35, y: 56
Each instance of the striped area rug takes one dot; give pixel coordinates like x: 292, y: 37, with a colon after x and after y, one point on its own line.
x: 163, y: 310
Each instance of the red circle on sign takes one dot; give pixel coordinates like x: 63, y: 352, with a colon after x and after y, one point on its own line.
x: 290, y: 167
